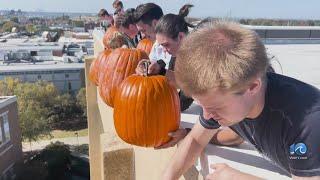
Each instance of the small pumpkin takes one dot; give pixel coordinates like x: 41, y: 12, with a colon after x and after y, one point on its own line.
x: 146, y: 109
x: 113, y: 39
x: 145, y: 45
x: 121, y: 63
x: 96, y: 65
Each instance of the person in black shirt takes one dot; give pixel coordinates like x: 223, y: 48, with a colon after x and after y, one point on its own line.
x: 223, y: 66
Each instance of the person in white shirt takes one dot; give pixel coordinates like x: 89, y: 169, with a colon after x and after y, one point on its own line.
x: 147, y: 16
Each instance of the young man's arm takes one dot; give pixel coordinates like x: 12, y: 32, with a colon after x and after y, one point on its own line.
x: 226, y: 137
x: 224, y: 172
x: 188, y: 151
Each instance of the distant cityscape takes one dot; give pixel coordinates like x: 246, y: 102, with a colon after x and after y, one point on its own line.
x: 51, y: 46
x: 43, y: 14
x: 46, y: 46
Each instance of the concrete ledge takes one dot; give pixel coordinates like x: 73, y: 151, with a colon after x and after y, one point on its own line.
x: 118, y: 159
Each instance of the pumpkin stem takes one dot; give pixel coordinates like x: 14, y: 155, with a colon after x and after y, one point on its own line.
x: 146, y: 66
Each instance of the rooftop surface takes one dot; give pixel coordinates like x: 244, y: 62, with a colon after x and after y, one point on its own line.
x: 47, y: 65
x: 5, y: 100
x: 300, y: 61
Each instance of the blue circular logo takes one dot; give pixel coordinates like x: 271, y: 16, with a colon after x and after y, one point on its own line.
x: 300, y: 149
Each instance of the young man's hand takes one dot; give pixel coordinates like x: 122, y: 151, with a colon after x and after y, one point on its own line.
x: 224, y: 172
x: 153, y: 69
x: 140, y: 69
x: 176, y: 136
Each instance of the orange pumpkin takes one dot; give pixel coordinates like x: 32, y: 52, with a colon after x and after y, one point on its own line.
x: 111, y: 33
x: 96, y: 65
x: 121, y: 63
x: 146, y: 109
x: 145, y: 45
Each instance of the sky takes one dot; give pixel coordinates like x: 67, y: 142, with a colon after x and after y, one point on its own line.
x: 274, y: 9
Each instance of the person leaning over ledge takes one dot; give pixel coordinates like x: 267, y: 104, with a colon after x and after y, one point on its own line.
x: 223, y: 66
x: 106, y: 20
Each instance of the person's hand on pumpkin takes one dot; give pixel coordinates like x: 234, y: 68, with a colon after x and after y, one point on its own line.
x: 153, y: 68
x: 141, y: 69
x: 176, y: 136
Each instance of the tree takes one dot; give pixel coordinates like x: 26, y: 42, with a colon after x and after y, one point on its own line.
x: 58, y: 159
x: 82, y: 101
x: 7, y: 26
x: 42, y: 108
x: 15, y: 19
x: 78, y: 23
x: 30, y: 28
x: 7, y: 86
x: 35, y: 101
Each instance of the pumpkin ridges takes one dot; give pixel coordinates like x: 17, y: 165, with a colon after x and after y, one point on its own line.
x: 139, y: 124
x: 115, y: 77
x: 96, y: 66
x: 127, y: 70
x: 165, y: 111
x: 122, y: 132
x: 132, y: 112
x: 145, y: 45
x: 149, y: 111
x: 104, y: 80
x: 160, y: 124
x: 92, y: 71
x: 151, y: 125
x: 122, y: 63
x: 145, y: 115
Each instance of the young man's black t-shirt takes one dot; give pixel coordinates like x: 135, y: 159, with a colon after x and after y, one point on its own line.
x: 288, y: 130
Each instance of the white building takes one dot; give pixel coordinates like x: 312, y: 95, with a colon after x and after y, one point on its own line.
x: 67, y: 77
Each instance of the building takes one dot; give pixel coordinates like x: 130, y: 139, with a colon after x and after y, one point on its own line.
x: 14, y: 49
x: 67, y: 77
x: 10, y: 137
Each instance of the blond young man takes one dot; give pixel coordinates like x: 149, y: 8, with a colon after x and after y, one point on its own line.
x: 223, y: 66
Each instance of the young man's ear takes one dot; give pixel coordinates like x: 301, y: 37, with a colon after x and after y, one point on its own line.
x: 154, y: 23
x: 181, y: 36
x: 255, y: 86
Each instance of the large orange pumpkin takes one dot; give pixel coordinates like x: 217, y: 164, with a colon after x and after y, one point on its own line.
x: 121, y: 63
x: 96, y: 65
x: 146, y: 109
x: 145, y: 45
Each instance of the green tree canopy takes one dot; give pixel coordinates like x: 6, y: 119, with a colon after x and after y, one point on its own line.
x: 7, y: 26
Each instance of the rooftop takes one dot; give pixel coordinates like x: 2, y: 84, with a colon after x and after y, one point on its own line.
x: 284, y: 27
x: 40, y: 66
x: 300, y: 61
x: 5, y: 100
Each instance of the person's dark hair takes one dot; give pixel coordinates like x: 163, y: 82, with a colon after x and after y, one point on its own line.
x: 171, y: 24
x: 117, y: 3
x: 125, y: 19
x: 103, y: 12
x: 148, y: 12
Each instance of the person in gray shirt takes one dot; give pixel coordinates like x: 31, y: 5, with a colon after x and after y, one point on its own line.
x: 223, y: 67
